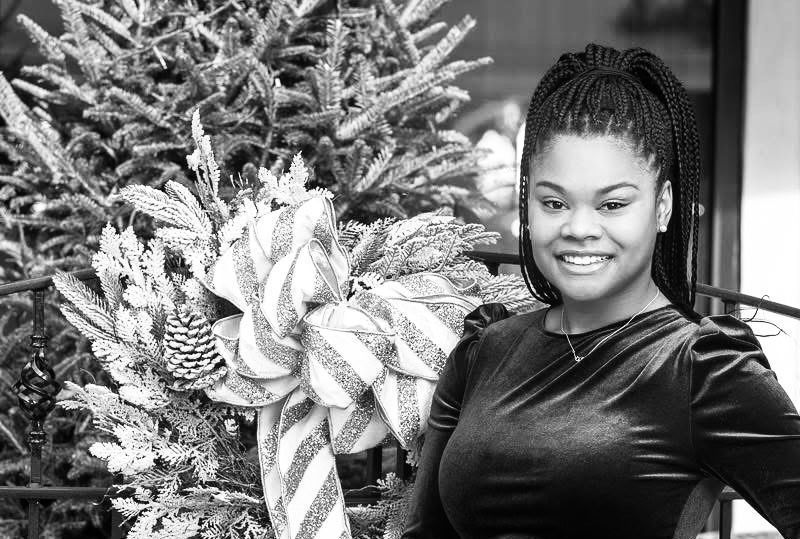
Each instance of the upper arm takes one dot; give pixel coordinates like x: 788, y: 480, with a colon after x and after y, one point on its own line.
x: 745, y: 428
x: 449, y: 392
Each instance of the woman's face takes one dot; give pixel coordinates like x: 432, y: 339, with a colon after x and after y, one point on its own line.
x: 594, y: 215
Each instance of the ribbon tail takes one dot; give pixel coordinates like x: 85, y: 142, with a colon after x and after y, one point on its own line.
x: 311, y: 493
x: 267, y: 436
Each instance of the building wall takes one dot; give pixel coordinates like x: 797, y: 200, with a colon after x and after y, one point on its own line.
x: 770, y: 221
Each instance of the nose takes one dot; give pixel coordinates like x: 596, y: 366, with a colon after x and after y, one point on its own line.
x: 581, y: 223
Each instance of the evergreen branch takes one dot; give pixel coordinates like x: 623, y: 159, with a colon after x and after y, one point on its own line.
x: 156, y: 147
x: 111, y: 285
x: 187, y: 199
x: 195, y: 24
x: 180, y: 240
x: 352, y: 126
x: 429, y: 31
x: 261, y: 80
x: 37, y: 91
x: 160, y: 206
x: 306, y: 7
x: 86, y: 302
x: 104, y: 19
x: 446, y: 45
x: 105, y: 40
x: 74, y: 23
x: 449, y: 169
x: 336, y: 34
x: 285, y: 97
x: 64, y: 83
x: 57, y: 241
x: 417, y: 11
x: 297, y: 50
x: 137, y: 105
x: 16, y: 114
x: 44, y: 222
x: 82, y: 324
x: 510, y: 290
x: 376, y: 168
x: 100, y: 115
x: 405, y: 40
x: 370, y: 246
x: 47, y: 44
x: 410, y: 165
x: 133, y: 11
x: 311, y: 120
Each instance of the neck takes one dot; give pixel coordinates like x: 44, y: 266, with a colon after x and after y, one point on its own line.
x: 582, y: 316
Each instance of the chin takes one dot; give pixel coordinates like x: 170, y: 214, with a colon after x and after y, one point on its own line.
x: 582, y: 293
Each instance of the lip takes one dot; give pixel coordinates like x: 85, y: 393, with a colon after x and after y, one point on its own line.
x: 582, y: 253
x: 575, y: 269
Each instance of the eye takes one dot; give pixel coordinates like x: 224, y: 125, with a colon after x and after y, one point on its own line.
x: 613, y: 205
x: 553, y: 204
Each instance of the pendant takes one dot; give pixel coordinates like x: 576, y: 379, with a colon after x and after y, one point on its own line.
x: 578, y: 358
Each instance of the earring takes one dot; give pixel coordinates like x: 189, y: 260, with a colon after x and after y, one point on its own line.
x: 662, y: 228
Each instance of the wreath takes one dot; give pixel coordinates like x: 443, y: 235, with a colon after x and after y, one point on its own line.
x: 262, y: 308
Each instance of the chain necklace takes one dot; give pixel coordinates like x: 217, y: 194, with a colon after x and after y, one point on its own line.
x: 577, y: 357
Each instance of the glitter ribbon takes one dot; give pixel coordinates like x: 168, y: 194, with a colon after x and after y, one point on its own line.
x: 328, y: 374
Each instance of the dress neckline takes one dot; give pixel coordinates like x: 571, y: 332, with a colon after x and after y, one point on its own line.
x: 612, y: 325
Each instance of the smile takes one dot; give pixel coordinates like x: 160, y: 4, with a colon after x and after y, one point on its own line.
x: 582, y: 264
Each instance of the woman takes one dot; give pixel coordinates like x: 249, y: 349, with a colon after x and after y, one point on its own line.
x: 618, y: 411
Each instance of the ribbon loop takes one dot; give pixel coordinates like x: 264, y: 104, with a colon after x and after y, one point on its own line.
x: 344, y: 348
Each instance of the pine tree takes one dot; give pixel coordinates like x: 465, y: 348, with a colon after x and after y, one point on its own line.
x: 362, y: 88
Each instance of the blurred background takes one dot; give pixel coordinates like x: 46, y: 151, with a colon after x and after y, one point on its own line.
x: 740, y: 61
x: 524, y: 37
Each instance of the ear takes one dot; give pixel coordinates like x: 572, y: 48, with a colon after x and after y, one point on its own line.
x: 664, y: 204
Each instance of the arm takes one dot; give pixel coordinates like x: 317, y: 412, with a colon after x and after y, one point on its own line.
x: 426, y: 515
x: 745, y: 428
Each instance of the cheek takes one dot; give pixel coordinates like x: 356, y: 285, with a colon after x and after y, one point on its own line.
x: 633, y: 233
x: 543, y: 227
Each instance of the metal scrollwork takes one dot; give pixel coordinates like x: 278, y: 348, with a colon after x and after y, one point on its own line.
x: 37, y: 386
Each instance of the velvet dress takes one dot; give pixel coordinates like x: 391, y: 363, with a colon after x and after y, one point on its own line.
x: 634, y: 441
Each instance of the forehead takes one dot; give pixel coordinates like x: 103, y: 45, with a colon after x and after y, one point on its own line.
x: 578, y: 162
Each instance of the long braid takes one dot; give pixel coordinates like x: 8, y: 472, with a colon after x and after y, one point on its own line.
x: 646, y: 106
x: 688, y: 161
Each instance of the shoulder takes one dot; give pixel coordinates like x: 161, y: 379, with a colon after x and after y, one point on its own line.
x: 492, y: 322
x: 513, y: 324
x: 723, y: 333
x: 504, y: 333
x: 725, y: 349
x: 702, y: 337
x: 725, y: 324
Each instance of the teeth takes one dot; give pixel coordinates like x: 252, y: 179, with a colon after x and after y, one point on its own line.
x: 583, y: 260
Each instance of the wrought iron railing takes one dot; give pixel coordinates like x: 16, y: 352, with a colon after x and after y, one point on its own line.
x: 37, y: 388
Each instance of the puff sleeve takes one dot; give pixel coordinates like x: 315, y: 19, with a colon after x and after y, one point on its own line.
x: 426, y: 517
x: 745, y: 429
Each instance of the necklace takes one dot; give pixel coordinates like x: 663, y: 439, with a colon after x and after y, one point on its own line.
x: 577, y: 357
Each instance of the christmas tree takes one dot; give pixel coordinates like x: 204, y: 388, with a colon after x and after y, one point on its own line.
x: 360, y: 88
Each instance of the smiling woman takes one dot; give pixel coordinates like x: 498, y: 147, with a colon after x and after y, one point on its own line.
x: 618, y: 411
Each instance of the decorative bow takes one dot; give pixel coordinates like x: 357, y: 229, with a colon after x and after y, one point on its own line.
x: 328, y: 374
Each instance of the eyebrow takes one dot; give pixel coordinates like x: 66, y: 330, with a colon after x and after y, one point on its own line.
x: 604, y: 190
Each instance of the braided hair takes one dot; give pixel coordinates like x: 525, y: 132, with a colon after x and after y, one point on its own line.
x: 634, y: 96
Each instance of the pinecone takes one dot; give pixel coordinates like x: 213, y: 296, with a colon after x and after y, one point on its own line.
x: 191, y: 352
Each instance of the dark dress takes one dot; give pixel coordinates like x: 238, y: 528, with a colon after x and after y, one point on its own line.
x: 634, y: 441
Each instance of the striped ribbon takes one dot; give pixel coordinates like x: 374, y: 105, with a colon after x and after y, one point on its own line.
x: 328, y: 374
